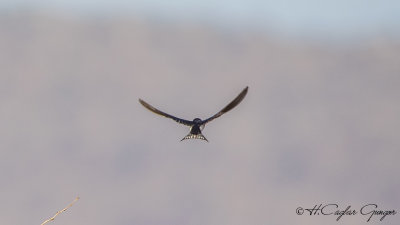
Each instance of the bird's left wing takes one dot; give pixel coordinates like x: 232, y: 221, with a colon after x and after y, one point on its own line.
x: 154, y: 110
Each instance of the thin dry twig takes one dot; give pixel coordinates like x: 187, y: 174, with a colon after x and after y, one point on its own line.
x: 63, y: 210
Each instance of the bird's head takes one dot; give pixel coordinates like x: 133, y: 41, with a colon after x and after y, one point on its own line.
x: 197, y: 120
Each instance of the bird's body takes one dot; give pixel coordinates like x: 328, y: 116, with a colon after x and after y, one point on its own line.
x: 195, y: 130
x: 197, y: 125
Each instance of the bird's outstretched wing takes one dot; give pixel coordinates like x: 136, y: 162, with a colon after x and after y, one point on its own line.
x: 154, y: 110
x: 230, y: 106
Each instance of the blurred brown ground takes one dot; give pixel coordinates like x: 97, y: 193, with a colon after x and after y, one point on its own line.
x: 320, y: 123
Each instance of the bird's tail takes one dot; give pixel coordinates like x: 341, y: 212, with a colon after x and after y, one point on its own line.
x: 195, y: 136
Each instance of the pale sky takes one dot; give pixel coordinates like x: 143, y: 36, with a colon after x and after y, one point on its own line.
x: 326, y: 18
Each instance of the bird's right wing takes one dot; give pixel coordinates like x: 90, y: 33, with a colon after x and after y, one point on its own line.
x: 230, y: 106
x: 154, y: 110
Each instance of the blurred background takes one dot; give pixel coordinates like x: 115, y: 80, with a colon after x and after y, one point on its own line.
x: 319, y: 125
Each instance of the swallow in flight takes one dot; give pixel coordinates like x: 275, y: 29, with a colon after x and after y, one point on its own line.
x: 197, y: 125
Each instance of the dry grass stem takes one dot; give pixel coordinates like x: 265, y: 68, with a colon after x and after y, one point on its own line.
x: 63, y: 210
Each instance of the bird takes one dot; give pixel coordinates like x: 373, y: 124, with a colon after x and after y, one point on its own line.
x: 197, y: 124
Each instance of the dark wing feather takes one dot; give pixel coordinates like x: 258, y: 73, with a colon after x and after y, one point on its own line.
x: 230, y: 106
x: 154, y: 110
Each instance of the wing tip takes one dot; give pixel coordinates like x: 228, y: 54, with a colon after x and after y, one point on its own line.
x: 246, y: 89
